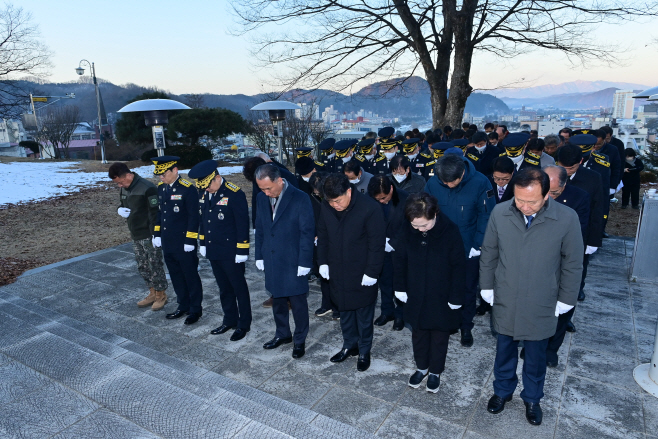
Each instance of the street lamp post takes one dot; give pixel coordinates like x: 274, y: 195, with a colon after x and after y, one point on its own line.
x: 277, y: 112
x: 80, y: 71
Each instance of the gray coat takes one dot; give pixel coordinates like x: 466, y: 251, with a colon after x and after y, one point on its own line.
x: 530, y: 270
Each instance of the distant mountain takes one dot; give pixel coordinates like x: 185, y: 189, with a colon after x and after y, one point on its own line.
x: 412, y: 99
x: 564, y: 88
x: 569, y: 101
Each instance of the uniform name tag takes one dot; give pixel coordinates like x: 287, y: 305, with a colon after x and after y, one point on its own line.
x: 176, y: 197
x: 420, y: 165
x: 223, y: 202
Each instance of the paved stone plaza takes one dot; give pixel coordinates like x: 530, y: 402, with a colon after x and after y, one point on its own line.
x: 78, y: 359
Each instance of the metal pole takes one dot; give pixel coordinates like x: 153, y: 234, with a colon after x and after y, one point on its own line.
x: 36, y: 122
x: 98, y: 107
x: 279, y: 140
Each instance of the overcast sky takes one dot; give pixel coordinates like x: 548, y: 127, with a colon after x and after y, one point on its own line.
x: 184, y: 47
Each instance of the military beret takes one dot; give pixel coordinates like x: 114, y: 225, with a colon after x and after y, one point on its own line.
x: 386, y: 132
x: 327, y: 144
x: 203, y: 173
x: 304, y: 165
x: 164, y: 163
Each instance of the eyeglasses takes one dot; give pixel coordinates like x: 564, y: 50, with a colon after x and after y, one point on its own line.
x: 502, y: 179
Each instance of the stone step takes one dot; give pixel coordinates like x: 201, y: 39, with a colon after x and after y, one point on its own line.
x: 281, y: 415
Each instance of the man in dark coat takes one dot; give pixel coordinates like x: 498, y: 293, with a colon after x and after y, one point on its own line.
x: 284, y: 250
x: 351, y: 240
x: 503, y: 172
x: 392, y: 202
x: 481, y: 154
x: 528, y: 233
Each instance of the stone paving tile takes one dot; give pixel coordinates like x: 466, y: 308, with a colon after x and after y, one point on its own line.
x: 599, y: 339
x: 645, y: 324
x: 602, y: 367
x: 354, y: 408
x: 647, y: 308
x: 111, y: 256
x: 202, y: 355
x: 301, y: 389
x: 17, y: 380
x: 107, y: 425
x: 644, y: 293
x: 316, y: 363
x: 650, y: 406
x: 511, y: 422
x: 604, y: 318
x: 405, y: 422
x: 257, y: 430
x: 585, y: 428
x: 247, y: 370
x: 383, y: 380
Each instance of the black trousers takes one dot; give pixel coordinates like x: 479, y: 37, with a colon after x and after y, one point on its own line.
x: 585, y: 265
x: 631, y: 192
x: 185, y: 279
x: 534, y: 368
x: 357, y: 327
x: 324, y: 284
x: 390, y: 305
x: 233, y: 292
x: 555, y: 342
x: 471, y: 292
x: 430, y: 349
x: 299, y: 307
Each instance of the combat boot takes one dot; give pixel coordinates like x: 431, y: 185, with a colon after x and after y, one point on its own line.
x: 148, y: 300
x: 160, y: 300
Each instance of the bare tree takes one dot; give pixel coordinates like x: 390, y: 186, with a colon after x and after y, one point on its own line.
x: 21, y: 54
x: 341, y: 42
x: 57, y: 127
x: 195, y: 101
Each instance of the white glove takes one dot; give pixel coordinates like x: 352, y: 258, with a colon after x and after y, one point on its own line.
x: 402, y: 296
x: 303, y: 271
x: 488, y: 296
x: 612, y: 191
x: 367, y: 281
x: 202, y: 250
x: 253, y: 231
x: 239, y: 259
x: 188, y: 247
x: 388, y: 246
x: 324, y: 271
x: 561, y: 308
x: 260, y: 265
x: 590, y: 250
x: 473, y: 253
x: 156, y: 241
x: 454, y: 306
x: 124, y: 212
x: 316, y: 241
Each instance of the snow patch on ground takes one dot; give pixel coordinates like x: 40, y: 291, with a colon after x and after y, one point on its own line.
x: 37, y: 181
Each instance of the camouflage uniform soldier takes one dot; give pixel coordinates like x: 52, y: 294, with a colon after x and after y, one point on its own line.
x: 139, y: 205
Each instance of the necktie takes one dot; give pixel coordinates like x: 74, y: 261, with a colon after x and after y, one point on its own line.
x: 529, y: 218
x: 501, y: 191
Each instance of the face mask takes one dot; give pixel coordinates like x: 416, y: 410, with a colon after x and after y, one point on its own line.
x: 346, y: 159
x: 517, y: 159
x: 400, y: 178
x: 389, y: 155
x: 355, y: 181
x: 306, y: 179
x: 370, y: 157
x: 630, y: 159
x: 480, y: 148
x: 412, y: 156
x: 332, y: 155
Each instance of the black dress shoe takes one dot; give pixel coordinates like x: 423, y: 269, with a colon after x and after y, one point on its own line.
x: 581, y: 295
x: 605, y: 235
x: 416, y: 379
x: 571, y: 327
x: 335, y: 315
x: 298, y: 350
x: 222, y: 329
x: 382, y: 320
x: 483, y: 308
x: 363, y: 363
x: 176, y: 314
x: 276, y: 342
x: 467, y: 338
x: 344, y: 354
x: 497, y: 404
x: 239, y: 334
x: 533, y: 412
x: 398, y: 325
x: 551, y: 363
x: 192, y: 318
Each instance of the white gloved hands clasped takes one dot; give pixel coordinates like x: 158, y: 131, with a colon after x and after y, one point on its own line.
x: 561, y: 308
x: 388, y: 246
x: 260, y: 265
x: 402, y: 296
x: 590, y: 250
x: 324, y: 271
x: 124, y: 212
x: 239, y: 259
x: 454, y: 306
x: 156, y: 241
x: 202, y: 250
x: 473, y: 253
x: 303, y: 271
x: 188, y: 247
x: 367, y: 281
x: 488, y: 296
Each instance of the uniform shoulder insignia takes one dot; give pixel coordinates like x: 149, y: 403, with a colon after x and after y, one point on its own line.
x: 360, y: 158
x: 472, y: 157
x: 532, y: 162
x: 424, y: 154
x: 317, y: 163
x: 430, y: 163
x: 185, y: 182
x: 232, y: 187
x: 160, y: 183
x: 503, y: 154
x: 380, y: 158
x: 600, y: 156
x: 602, y: 162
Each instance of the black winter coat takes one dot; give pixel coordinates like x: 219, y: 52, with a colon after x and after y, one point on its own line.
x: 352, y: 246
x: 430, y: 268
x: 395, y: 218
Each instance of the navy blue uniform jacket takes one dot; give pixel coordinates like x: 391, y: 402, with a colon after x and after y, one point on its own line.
x: 285, y: 242
x: 578, y: 200
x: 178, y: 218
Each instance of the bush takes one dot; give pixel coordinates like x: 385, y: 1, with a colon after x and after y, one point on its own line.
x: 189, y: 155
x: 648, y: 177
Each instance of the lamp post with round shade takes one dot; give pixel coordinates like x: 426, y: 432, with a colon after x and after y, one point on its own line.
x: 81, y: 71
x: 277, y: 112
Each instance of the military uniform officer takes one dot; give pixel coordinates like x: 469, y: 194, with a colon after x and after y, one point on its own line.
x: 437, y: 150
x: 224, y: 241
x: 514, y: 144
x: 418, y: 161
x: 530, y: 160
x: 482, y: 154
x: 306, y: 152
x: 344, y: 152
x: 461, y: 144
x: 326, y: 148
x: 370, y: 160
x: 177, y: 230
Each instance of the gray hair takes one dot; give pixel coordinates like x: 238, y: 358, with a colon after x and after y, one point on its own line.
x: 267, y: 171
x: 450, y: 167
x: 561, y: 173
x: 551, y: 139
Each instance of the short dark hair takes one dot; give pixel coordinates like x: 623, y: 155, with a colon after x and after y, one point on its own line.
x: 370, y: 135
x: 450, y: 167
x: 606, y: 129
x: 447, y: 129
x: 458, y: 134
x: 431, y: 139
x: 535, y: 144
x: 566, y: 130
x: 469, y: 133
x: 335, y: 185
x: 534, y: 133
x: 409, y: 134
x: 504, y: 127
x: 599, y: 133
x: 397, y: 161
x: 317, y: 181
x: 630, y: 152
x: 488, y: 125
x: 267, y: 170
x: 493, y: 135
x: 529, y: 176
x: 421, y: 205
x: 250, y: 167
x: 478, y: 137
x: 117, y: 169
x: 465, y: 125
x: 352, y: 166
x: 569, y: 155
x: 379, y: 184
x: 503, y: 165
x: 473, y: 127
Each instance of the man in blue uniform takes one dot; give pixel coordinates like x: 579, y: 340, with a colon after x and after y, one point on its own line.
x: 370, y: 160
x: 514, y: 146
x: 224, y: 241
x: 326, y: 148
x: 344, y: 151
x: 481, y: 154
x: 418, y: 161
x: 176, y: 231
